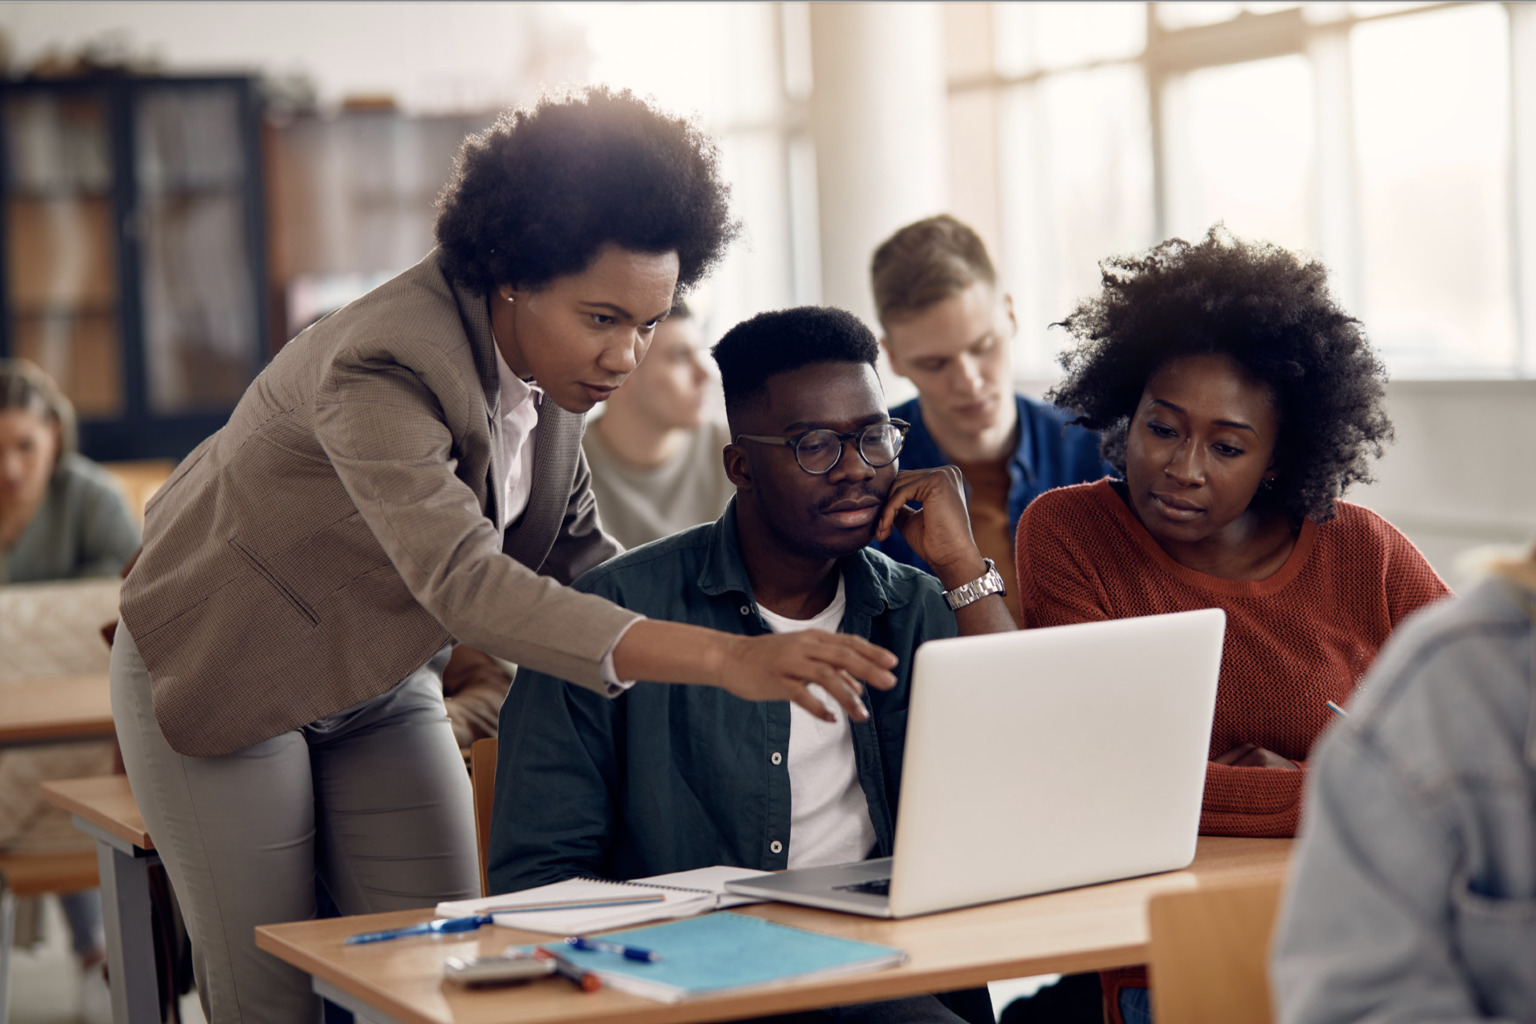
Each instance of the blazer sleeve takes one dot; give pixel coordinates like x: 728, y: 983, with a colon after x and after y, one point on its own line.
x: 385, y: 434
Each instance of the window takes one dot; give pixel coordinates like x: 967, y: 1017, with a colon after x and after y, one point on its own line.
x: 1385, y: 138
x: 744, y: 69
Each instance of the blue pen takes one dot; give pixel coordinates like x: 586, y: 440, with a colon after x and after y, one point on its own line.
x: 443, y: 926
x: 599, y: 946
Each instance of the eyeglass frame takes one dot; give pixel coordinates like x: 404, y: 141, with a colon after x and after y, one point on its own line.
x: 793, y: 443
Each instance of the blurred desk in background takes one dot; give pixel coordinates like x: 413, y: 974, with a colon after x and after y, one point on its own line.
x: 57, y: 709
x: 53, y: 676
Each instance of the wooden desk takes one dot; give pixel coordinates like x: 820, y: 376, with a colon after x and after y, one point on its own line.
x: 104, y: 808
x: 400, y: 982
x: 55, y: 710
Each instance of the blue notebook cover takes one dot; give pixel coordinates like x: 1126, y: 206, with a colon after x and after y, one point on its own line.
x: 724, y: 951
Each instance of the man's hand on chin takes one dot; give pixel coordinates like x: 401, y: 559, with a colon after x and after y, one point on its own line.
x: 940, y: 534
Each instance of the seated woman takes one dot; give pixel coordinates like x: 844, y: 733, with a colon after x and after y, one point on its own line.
x: 61, y: 518
x: 1238, y: 401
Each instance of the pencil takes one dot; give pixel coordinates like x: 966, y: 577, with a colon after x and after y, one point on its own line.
x: 579, y: 904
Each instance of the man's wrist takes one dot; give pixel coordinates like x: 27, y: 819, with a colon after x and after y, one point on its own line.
x: 961, y: 571
x: 987, y: 583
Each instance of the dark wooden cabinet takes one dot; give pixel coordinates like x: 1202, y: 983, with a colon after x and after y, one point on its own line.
x: 134, y: 264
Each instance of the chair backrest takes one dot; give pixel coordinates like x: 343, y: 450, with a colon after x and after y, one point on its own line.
x: 482, y: 779
x: 1209, y: 954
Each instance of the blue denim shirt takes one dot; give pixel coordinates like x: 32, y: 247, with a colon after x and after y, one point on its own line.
x: 1050, y: 453
x: 665, y: 777
x: 1413, y: 894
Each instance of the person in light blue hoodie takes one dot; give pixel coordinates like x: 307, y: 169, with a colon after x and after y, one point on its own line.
x: 1413, y: 895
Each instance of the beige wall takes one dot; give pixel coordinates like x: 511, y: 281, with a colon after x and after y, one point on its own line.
x: 1462, y: 472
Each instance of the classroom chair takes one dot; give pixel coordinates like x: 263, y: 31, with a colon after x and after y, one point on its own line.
x: 482, y: 780
x: 1209, y: 953
x: 35, y: 874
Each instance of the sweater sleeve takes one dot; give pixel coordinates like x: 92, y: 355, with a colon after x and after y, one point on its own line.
x: 1262, y: 802
x: 1411, y: 582
x: 1057, y: 586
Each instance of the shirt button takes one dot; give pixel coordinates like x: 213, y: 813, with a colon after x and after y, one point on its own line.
x: 776, y: 846
x: 777, y: 758
x: 746, y: 609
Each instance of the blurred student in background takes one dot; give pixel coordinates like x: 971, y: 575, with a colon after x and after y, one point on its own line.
x: 1237, y: 402
x: 1413, y: 891
x: 61, y: 518
x: 947, y: 330
x: 654, y: 454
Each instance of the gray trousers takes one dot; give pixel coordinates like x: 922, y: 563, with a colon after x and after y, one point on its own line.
x: 374, y: 801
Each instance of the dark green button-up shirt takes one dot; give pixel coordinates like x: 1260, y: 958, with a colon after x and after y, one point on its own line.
x: 666, y: 778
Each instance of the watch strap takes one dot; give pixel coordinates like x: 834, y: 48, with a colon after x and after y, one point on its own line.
x: 989, y: 582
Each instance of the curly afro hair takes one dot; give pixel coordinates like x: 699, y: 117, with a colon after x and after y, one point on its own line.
x: 538, y: 194
x: 1263, y: 306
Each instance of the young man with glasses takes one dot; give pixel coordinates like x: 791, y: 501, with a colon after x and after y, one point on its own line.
x: 667, y: 778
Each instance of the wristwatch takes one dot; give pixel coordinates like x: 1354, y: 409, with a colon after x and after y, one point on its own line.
x: 989, y: 582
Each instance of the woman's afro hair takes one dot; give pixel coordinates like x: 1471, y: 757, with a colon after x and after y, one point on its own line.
x: 1266, y: 308
x: 537, y: 195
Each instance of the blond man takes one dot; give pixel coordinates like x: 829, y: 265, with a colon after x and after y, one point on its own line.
x: 947, y: 329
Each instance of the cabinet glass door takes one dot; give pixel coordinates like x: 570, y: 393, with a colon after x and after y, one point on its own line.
x: 61, y: 250
x: 192, y: 224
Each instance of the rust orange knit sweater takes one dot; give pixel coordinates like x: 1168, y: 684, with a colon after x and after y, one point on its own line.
x: 1301, y: 637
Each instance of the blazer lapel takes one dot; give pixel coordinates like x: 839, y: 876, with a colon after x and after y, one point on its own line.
x: 482, y: 343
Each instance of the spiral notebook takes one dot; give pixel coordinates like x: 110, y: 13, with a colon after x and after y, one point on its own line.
x: 679, y: 894
x: 728, y: 953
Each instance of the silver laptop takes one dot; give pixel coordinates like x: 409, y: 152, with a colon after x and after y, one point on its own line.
x: 1038, y: 760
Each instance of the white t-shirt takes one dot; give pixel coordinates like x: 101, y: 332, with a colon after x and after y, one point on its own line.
x: 828, y: 814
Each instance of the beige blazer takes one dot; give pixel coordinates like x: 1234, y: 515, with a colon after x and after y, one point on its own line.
x: 342, y: 527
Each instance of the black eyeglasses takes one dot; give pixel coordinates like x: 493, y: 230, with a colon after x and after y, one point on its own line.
x: 817, y: 451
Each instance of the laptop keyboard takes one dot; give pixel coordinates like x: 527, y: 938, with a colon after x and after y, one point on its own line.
x: 875, y: 887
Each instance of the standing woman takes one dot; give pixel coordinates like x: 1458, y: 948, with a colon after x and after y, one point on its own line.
x: 1238, y: 401
x: 408, y: 473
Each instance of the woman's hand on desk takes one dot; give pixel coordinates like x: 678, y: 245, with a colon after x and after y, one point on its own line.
x: 773, y: 666
x: 1251, y: 755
